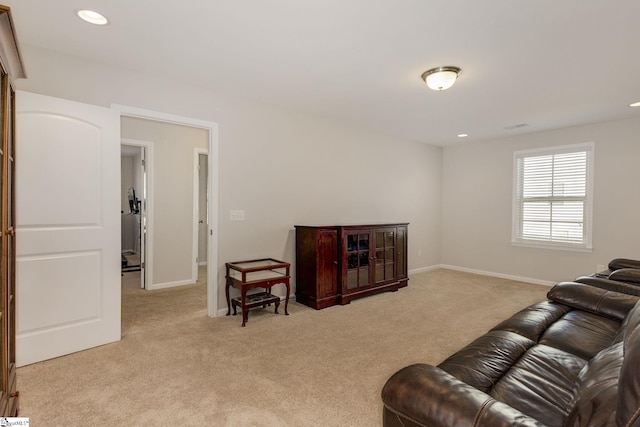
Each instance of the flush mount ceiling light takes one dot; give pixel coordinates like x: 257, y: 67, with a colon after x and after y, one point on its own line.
x: 635, y: 104
x: 441, y: 78
x: 92, y: 17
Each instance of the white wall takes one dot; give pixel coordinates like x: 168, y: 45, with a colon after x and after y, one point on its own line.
x: 172, y: 198
x: 282, y: 167
x: 477, y: 198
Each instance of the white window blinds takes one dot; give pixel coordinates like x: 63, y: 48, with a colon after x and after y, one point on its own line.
x: 552, y: 196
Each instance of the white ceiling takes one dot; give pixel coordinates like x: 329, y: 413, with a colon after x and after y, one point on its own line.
x: 544, y: 63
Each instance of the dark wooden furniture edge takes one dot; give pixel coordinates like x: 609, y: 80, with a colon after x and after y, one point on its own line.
x: 393, y: 287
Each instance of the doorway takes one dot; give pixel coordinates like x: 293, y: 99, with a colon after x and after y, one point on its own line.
x: 209, y: 224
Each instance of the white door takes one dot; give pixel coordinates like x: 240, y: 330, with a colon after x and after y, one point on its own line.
x: 68, y: 227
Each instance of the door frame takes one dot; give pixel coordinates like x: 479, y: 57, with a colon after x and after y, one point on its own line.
x: 213, y: 191
x: 147, y: 271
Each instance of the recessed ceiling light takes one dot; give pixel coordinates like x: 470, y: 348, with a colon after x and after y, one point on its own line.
x: 463, y: 135
x: 635, y: 104
x: 92, y: 17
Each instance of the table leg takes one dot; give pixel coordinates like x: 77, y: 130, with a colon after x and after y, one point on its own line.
x: 226, y: 290
x: 286, y: 301
x: 277, y: 303
x: 243, y: 299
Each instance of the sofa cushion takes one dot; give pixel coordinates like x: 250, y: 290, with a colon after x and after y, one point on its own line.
x: 534, y: 320
x: 540, y: 384
x: 596, y: 391
x: 581, y: 333
x: 483, y: 362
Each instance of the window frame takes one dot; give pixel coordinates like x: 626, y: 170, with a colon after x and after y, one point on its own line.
x: 516, y: 234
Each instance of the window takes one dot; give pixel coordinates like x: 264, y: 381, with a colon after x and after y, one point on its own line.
x: 552, y: 197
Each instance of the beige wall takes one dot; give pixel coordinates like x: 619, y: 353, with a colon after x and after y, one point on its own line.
x: 477, y: 197
x: 282, y: 167
x: 128, y: 222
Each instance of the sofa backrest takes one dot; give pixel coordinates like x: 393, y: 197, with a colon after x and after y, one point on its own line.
x: 628, y: 407
x: 603, y: 302
x: 607, y: 392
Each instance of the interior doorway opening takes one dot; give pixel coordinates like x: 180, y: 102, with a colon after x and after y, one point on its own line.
x: 210, y: 263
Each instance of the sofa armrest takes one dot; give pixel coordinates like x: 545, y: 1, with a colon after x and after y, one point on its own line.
x: 610, y: 285
x: 428, y: 396
x: 593, y: 299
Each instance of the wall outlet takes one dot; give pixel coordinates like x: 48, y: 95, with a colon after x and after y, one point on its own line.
x: 419, y: 252
x: 236, y: 215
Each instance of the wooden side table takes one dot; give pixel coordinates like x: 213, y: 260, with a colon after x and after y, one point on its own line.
x: 256, y: 273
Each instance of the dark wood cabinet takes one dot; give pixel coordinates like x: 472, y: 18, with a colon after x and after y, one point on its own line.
x: 10, y: 69
x: 336, y: 264
x: 317, y: 266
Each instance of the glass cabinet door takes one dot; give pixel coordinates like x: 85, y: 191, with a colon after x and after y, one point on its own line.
x: 358, y: 255
x: 385, y: 254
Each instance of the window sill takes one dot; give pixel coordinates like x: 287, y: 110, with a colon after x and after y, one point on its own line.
x: 554, y: 246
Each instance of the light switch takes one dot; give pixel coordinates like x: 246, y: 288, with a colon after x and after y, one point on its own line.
x: 236, y: 215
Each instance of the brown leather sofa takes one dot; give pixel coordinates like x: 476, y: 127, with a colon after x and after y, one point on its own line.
x: 622, y: 275
x: 573, y: 360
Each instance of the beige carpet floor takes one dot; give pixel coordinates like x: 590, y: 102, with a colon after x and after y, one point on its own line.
x: 312, y: 368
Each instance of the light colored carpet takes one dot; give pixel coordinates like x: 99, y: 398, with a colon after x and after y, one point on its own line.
x: 144, y: 310
x: 312, y: 368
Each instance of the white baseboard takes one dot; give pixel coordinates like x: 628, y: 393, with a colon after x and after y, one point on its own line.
x: 171, y: 284
x: 499, y: 275
x: 424, y: 269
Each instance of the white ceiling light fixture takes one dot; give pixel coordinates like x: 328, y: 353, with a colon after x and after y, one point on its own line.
x: 463, y: 135
x: 92, y: 17
x: 635, y: 104
x: 441, y: 78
